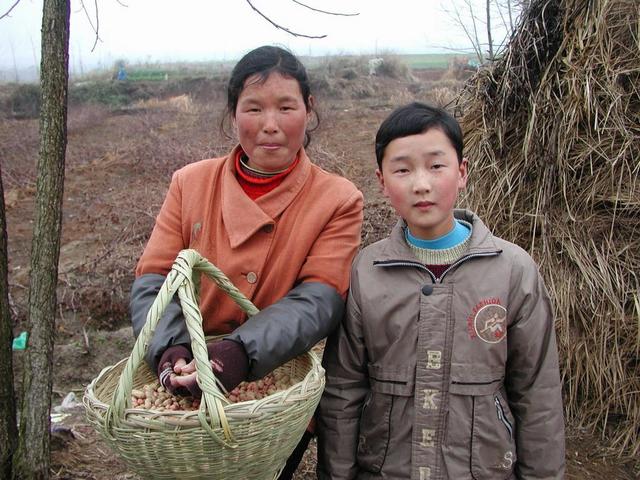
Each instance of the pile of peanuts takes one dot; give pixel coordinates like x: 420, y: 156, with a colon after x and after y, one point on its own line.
x: 155, y: 397
x: 268, y: 385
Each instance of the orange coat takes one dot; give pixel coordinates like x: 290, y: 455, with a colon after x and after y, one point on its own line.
x: 305, y: 230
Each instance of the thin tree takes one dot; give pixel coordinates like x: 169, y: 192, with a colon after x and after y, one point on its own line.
x: 465, y: 14
x: 8, y: 429
x: 32, y: 459
x: 489, y: 36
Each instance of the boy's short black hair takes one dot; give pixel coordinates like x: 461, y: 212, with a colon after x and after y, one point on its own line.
x: 414, y: 119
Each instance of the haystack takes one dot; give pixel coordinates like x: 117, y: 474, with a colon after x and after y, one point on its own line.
x: 553, y: 136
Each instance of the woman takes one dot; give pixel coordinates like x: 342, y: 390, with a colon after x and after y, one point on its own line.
x: 282, y: 229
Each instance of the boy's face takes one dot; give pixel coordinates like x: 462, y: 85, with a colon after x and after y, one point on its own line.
x: 421, y: 177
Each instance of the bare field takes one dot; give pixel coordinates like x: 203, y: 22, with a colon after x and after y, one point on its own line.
x: 119, y: 163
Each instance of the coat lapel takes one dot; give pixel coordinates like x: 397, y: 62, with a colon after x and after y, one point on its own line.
x: 242, y: 216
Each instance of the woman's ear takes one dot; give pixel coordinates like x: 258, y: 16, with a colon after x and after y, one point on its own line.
x: 234, y: 125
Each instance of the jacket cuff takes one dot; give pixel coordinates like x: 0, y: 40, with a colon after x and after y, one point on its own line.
x: 289, y: 327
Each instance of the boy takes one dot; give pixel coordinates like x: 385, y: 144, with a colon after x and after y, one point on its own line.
x: 445, y: 366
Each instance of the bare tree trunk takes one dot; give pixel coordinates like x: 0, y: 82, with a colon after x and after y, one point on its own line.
x: 32, y: 459
x: 490, y: 40
x: 8, y: 429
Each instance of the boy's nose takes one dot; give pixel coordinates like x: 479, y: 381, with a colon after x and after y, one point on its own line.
x: 421, y: 182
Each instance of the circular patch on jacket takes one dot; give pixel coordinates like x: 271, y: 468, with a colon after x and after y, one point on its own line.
x: 490, y: 323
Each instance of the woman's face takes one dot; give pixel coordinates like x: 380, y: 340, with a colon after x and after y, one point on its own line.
x: 270, y: 120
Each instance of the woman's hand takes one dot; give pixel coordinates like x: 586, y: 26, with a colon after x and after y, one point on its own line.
x: 172, y: 364
x: 185, y: 378
x: 228, y: 361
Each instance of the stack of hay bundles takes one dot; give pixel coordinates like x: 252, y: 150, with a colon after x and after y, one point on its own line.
x: 553, y: 137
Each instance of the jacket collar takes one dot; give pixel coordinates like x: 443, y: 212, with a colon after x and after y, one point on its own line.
x: 481, y: 242
x: 242, y: 216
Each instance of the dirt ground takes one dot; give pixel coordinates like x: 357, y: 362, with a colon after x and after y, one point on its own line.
x: 119, y: 164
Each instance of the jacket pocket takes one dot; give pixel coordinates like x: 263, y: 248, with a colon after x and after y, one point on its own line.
x: 489, y: 423
x: 375, y: 419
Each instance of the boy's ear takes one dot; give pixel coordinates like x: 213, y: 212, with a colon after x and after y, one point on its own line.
x: 463, y: 169
x: 381, y: 181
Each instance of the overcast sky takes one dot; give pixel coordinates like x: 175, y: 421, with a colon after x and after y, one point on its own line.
x: 170, y: 30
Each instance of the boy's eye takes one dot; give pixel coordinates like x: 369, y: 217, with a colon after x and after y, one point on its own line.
x: 401, y: 170
x: 437, y: 166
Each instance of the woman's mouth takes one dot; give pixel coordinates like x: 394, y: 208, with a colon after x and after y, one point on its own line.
x: 270, y: 146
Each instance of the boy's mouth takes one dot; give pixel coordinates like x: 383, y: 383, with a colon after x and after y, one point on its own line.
x: 423, y: 204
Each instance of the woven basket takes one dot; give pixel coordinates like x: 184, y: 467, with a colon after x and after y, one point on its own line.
x: 221, y: 440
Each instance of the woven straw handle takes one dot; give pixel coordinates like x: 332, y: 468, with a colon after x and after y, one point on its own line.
x: 184, y: 278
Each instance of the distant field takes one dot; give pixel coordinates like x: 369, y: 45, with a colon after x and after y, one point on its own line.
x: 159, y: 72
x: 164, y: 71
x: 418, y: 61
x: 431, y: 60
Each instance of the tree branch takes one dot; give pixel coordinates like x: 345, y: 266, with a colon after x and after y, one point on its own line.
x: 97, y: 26
x: 10, y: 8
x: 324, y: 11
x: 489, y: 36
x: 474, y: 41
x: 504, y: 21
x: 475, y: 31
x: 279, y: 27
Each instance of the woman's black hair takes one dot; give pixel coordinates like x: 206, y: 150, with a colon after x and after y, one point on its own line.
x: 414, y: 119
x: 262, y: 62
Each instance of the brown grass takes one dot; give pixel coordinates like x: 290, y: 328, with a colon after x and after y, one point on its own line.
x: 553, y: 131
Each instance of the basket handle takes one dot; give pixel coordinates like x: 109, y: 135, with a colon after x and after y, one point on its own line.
x: 183, y: 278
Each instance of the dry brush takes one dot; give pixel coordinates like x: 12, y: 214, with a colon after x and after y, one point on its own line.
x: 553, y: 134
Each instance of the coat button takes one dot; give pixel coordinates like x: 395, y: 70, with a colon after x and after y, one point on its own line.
x: 268, y: 228
x: 252, y: 277
x: 427, y: 290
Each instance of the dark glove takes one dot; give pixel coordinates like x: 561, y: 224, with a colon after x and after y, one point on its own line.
x: 229, y: 362
x: 167, y: 363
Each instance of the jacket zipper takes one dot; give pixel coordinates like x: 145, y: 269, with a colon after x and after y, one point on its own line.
x: 477, y: 383
x: 503, y: 418
x: 403, y: 263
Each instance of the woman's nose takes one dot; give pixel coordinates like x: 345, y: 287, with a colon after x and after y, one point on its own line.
x: 270, y: 123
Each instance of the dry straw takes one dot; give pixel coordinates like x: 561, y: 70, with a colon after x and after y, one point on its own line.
x: 553, y: 135
x: 221, y: 440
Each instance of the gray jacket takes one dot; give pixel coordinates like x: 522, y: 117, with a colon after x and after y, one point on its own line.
x: 276, y: 334
x: 455, y: 378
